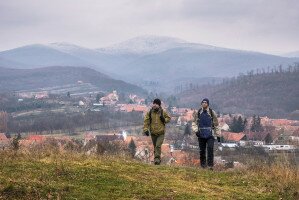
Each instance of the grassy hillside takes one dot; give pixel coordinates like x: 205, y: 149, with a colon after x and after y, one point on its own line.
x: 73, y: 176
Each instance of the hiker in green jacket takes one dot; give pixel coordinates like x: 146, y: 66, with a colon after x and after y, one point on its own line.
x: 154, y: 125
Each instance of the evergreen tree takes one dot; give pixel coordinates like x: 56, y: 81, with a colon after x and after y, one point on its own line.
x: 253, y: 124
x: 256, y: 125
x: 99, y: 96
x: 16, y: 142
x: 259, y: 126
x: 131, y: 101
x: 8, y: 135
x: 245, y: 124
x: 237, y: 125
x: 240, y: 125
x: 132, y: 148
x: 233, y: 126
x: 187, y: 129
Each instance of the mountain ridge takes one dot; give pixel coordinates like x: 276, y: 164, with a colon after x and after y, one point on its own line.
x: 158, y: 57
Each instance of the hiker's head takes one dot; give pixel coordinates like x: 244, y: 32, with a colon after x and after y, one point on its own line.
x: 205, y: 103
x: 156, y: 104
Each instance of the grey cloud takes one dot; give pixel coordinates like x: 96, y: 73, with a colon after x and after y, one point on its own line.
x: 248, y: 24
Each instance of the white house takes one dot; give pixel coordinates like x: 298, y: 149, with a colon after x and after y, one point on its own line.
x: 279, y: 147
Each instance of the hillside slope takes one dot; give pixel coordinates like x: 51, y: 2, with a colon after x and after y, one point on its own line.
x: 270, y: 94
x: 81, y: 177
x: 29, y: 79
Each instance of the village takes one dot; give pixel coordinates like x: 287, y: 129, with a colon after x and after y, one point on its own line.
x: 180, y: 145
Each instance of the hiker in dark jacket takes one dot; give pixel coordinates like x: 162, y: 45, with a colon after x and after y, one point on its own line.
x: 154, y: 125
x: 205, y: 125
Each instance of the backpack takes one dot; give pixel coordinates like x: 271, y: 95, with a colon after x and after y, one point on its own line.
x: 211, y: 112
x: 205, y: 133
x: 150, y: 115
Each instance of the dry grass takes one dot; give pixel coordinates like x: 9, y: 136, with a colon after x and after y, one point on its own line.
x: 56, y: 174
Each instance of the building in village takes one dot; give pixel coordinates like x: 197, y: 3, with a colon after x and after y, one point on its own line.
x: 41, y: 95
x: 110, y: 138
x: 260, y: 138
x: 278, y: 148
x: 88, y: 137
x: 136, y: 100
x: 295, y: 136
x: 110, y: 99
x: 36, y: 95
x: 132, y: 107
x: 4, y: 141
x: 184, y: 115
x: 32, y: 140
x: 223, y: 125
x: 231, y: 137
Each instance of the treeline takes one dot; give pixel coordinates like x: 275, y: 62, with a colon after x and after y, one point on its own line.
x: 273, y: 92
x: 51, y: 122
x: 239, y: 124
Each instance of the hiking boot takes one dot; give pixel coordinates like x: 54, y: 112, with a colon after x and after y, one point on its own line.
x: 203, y: 166
x: 157, y: 162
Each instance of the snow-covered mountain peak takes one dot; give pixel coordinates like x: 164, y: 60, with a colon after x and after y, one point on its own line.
x: 67, y: 47
x: 149, y: 44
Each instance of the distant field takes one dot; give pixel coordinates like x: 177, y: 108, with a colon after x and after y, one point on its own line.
x: 74, y: 176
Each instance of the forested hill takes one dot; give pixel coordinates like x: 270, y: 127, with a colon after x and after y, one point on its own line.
x: 274, y: 93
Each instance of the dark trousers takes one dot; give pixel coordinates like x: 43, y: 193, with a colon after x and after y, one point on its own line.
x: 206, y: 145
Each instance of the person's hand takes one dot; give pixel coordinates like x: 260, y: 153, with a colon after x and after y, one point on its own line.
x: 162, y: 119
x: 146, y: 133
x: 218, y: 132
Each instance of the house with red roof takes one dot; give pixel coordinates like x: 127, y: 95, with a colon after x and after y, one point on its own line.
x: 185, y: 115
x: 233, y: 137
x: 132, y: 107
x: 88, y: 137
x: 41, y: 95
x: 32, y: 140
x: 3, y: 137
x: 36, y: 138
x: 110, y: 99
x: 4, y: 141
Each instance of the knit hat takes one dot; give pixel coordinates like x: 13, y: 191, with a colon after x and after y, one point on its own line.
x: 157, y: 101
x: 207, y: 100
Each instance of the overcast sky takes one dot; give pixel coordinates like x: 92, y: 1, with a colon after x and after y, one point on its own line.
x: 261, y: 25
